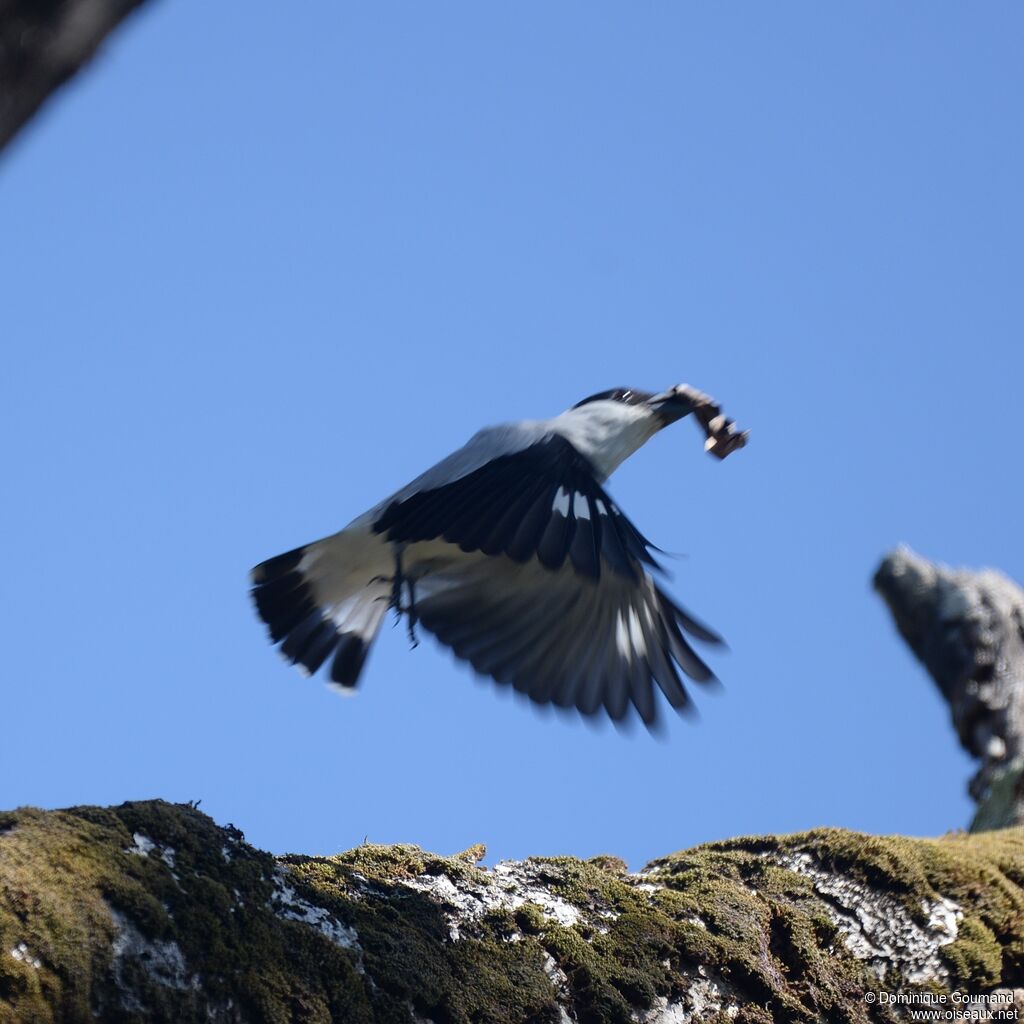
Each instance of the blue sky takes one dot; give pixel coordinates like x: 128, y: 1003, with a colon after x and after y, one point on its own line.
x: 263, y: 267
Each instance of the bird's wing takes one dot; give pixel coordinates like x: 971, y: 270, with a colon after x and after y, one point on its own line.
x: 562, y: 638
x: 542, y: 500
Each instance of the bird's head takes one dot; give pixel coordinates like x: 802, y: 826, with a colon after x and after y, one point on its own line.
x: 666, y: 407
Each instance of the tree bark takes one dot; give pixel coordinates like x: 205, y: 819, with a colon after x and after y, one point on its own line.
x: 151, y: 912
x: 43, y: 43
x: 967, y: 629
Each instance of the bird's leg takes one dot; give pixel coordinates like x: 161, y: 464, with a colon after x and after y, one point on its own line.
x: 396, y: 585
x: 395, y: 600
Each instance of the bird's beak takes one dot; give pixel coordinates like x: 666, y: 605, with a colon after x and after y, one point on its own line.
x: 720, y: 433
x: 672, y: 405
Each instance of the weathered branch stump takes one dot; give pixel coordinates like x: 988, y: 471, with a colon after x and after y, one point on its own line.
x: 967, y: 629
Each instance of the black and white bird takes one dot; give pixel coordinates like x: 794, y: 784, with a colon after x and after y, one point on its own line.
x: 512, y: 553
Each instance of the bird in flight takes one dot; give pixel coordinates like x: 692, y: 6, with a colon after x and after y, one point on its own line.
x: 512, y: 553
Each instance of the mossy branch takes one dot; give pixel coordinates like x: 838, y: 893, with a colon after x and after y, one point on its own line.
x: 151, y: 912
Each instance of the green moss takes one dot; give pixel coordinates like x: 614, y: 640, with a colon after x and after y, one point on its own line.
x: 407, y: 946
x: 766, y: 929
x: 609, y: 863
x: 61, y: 874
x: 975, y: 960
x: 376, y: 863
x: 530, y: 919
x: 727, y: 912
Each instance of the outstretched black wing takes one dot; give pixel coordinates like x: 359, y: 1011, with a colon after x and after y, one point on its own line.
x: 543, y: 500
x: 565, y: 640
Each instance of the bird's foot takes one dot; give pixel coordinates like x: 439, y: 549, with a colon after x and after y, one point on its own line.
x: 395, y: 598
x: 396, y: 586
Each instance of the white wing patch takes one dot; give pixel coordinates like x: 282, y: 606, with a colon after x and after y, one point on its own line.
x: 622, y: 636
x: 636, y: 634
x: 629, y: 637
x: 580, y: 506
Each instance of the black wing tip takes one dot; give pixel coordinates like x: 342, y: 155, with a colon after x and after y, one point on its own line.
x: 697, y: 629
x: 629, y: 721
x: 694, y: 667
x: 689, y: 623
x: 625, y: 721
x: 706, y: 677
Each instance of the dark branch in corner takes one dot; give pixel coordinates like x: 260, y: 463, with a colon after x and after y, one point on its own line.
x: 43, y: 43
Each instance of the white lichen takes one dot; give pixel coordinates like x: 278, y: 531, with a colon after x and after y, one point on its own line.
x: 558, y: 978
x: 560, y: 983
x: 289, y: 906
x: 704, y: 996
x: 647, y: 886
x: 878, y: 929
x: 506, y: 887
x: 519, y: 885
x: 162, y: 960
x: 22, y: 953
x: 143, y: 847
